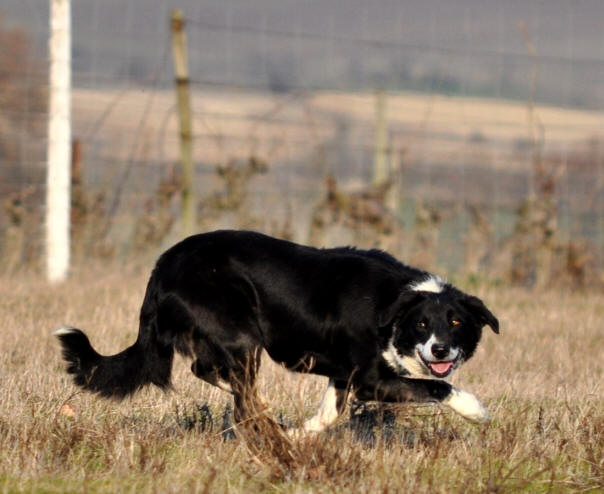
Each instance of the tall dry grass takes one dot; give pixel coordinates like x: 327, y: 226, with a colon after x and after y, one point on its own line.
x: 541, y: 379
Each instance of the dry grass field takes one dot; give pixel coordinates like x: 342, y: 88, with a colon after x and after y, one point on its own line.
x: 541, y: 380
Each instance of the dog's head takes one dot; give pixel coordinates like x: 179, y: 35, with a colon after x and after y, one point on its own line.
x: 433, y: 328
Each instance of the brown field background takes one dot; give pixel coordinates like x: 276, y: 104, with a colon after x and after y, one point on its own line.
x: 541, y: 380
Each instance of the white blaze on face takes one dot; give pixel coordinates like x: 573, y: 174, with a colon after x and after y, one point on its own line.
x: 431, y: 283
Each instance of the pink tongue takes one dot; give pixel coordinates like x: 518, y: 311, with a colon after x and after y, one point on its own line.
x: 441, y: 367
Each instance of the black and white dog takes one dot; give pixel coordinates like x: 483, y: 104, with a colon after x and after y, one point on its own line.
x: 375, y: 327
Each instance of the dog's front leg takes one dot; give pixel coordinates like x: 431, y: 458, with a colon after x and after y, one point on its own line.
x: 427, y: 390
x: 331, y: 407
x: 467, y: 405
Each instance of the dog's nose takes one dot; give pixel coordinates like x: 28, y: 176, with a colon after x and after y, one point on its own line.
x: 440, y: 350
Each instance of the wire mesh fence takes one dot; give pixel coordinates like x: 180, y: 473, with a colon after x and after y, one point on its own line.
x: 492, y: 114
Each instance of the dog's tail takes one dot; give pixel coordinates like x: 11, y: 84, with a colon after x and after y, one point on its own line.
x: 148, y: 361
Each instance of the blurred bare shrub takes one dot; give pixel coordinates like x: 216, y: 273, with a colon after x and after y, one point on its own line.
x: 358, y: 211
x: 21, y: 244
x: 478, y: 240
x: 535, y: 253
x: 158, y: 215
x: 429, y: 219
x: 235, y: 180
x: 23, y: 95
x: 88, y: 212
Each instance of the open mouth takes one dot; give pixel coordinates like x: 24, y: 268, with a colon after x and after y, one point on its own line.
x: 441, y: 368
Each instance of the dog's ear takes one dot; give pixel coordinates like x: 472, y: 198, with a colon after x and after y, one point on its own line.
x: 480, y: 311
x: 406, y: 299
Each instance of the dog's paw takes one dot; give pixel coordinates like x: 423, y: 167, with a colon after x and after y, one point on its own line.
x: 467, y: 405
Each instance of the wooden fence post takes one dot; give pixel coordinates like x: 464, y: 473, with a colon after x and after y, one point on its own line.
x: 380, y: 158
x: 181, y: 73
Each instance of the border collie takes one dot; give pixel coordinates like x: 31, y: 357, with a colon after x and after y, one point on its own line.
x: 375, y: 327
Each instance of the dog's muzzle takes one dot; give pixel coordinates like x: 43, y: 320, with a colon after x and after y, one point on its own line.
x: 440, y: 368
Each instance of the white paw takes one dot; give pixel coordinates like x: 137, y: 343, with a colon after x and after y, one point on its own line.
x: 467, y: 405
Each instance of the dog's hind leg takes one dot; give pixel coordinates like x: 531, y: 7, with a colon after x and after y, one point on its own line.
x: 242, y: 379
x: 213, y: 375
x: 261, y: 434
x: 214, y: 363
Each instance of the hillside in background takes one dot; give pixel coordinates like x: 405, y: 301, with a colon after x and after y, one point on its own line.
x: 466, y: 47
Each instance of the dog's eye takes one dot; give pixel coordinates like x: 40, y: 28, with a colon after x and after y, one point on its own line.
x: 421, y: 324
x: 455, y: 322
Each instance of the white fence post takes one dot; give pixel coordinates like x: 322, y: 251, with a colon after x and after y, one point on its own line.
x: 58, y: 179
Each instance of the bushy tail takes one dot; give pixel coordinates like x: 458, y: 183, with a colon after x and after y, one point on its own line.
x: 117, y: 376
